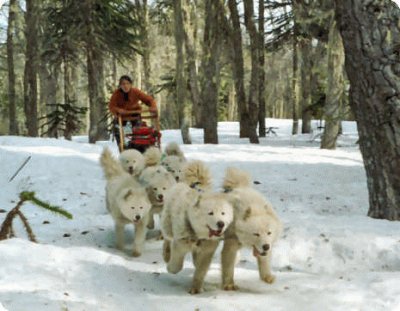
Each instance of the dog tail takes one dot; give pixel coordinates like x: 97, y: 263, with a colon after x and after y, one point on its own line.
x: 197, y: 175
x: 152, y: 156
x: 110, y: 165
x: 235, y: 178
x: 173, y: 149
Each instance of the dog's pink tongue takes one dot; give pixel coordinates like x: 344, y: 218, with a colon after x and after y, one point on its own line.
x: 212, y: 233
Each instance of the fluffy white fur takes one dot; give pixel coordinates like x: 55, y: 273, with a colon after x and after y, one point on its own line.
x: 132, y: 162
x: 152, y: 156
x: 197, y: 175
x: 173, y: 149
x: 192, y: 221
x: 174, y: 165
x: 127, y: 202
x: 157, y: 182
x: 256, y: 225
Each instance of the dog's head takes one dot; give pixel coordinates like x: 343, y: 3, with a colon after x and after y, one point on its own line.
x: 258, y: 231
x: 132, y: 161
x: 174, y: 165
x: 211, y: 215
x: 158, y: 186
x: 134, y: 204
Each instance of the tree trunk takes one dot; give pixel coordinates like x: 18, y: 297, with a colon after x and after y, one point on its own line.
x: 253, y: 96
x: 305, y: 71
x: 295, y: 69
x: 261, y: 57
x: 13, y: 126
x: 48, y: 89
x: 30, y: 72
x: 334, y: 90
x: 191, y: 58
x: 179, y: 72
x: 238, y: 69
x: 97, y: 104
x: 211, y: 71
x: 371, y: 39
x: 143, y: 15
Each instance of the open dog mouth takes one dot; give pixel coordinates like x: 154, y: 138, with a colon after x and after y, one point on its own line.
x: 130, y: 170
x: 212, y: 232
x: 257, y: 253
x: 160, y: 200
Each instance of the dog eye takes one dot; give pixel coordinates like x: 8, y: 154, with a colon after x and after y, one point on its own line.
x: 257, y: 234
x: 173, y: 171
x: 164, y: 188
x: 127, y: 161
x: 223, y: 213
x: 269, y: 232
x: 132, y: 207
x: 155, y: 189
x: 141, y: 207
x: 211, y: 213
x: 134, y: 161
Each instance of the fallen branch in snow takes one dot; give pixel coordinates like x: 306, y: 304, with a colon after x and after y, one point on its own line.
x: 20, y: 168
x: 6, y: 230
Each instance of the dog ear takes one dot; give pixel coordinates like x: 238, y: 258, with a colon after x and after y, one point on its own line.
x: 128, y: 194
x: 247, y: 213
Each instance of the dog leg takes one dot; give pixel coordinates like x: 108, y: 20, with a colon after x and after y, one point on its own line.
x: 150, y: 225
x: 178, y: 251
x: 166, y: 250
x: 119, y: 235
x: 264, y: 268
x: 140, y: 237
x: 228, y: 258
x: 203, y: 255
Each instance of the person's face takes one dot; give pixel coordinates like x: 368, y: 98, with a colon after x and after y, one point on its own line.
x: 125, y: 86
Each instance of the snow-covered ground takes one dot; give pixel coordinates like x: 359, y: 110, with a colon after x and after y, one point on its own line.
x: 331, y: 256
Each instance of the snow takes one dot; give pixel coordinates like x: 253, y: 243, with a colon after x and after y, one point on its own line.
x: 330, y: 257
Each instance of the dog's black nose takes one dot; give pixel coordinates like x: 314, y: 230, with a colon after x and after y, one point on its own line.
x: 265, y: 247
x: 137, y: 217
x: 160, y: 196
x: 220, y: 224
x: 177, y: 178
x: 131, y: 167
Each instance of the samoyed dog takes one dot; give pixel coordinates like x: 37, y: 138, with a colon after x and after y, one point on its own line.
x: 132, y: 161
x: 174, y: 160
x: 255, y: 225
x: 193, y: 221
x: 127, y: 202
x: 152, y: 157
x: 157, y: 182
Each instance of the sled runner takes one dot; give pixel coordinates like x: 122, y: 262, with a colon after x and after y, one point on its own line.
x: 136, y: 133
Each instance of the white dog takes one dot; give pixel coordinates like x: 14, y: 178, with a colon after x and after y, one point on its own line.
x: 132, y: 162
x: 193, y: 221
x: 174, y: 160
x: 157, y: 182
x: 256, y: 225
x: 173, y: 149
x: 126, y: 201
x: 152, y: 156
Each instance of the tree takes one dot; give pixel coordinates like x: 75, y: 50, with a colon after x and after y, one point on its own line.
x: 261, y: 60
x: 13, y: 126
x: 31, y: 68
x: 335, y: 88
x: 371, y: 37
x: 179, y: 71
x: 210, y: 69
x: 253, y: 96
x: 237, y: 64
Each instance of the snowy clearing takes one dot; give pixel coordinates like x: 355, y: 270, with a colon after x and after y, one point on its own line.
x: 330, y: 257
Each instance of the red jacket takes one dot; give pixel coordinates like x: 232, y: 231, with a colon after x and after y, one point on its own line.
x: 118, y: 103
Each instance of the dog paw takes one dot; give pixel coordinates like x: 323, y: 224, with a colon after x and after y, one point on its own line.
x: 231, y: 287
x: 195, y: 291
x: 136, y: 253
x: 269, y: 279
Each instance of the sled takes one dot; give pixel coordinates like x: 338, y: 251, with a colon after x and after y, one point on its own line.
x: 140, y: 135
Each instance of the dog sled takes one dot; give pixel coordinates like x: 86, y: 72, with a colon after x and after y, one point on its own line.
x: 139, y: 130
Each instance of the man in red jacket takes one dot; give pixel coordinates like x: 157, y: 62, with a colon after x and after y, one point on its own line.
x: 125, y: 101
